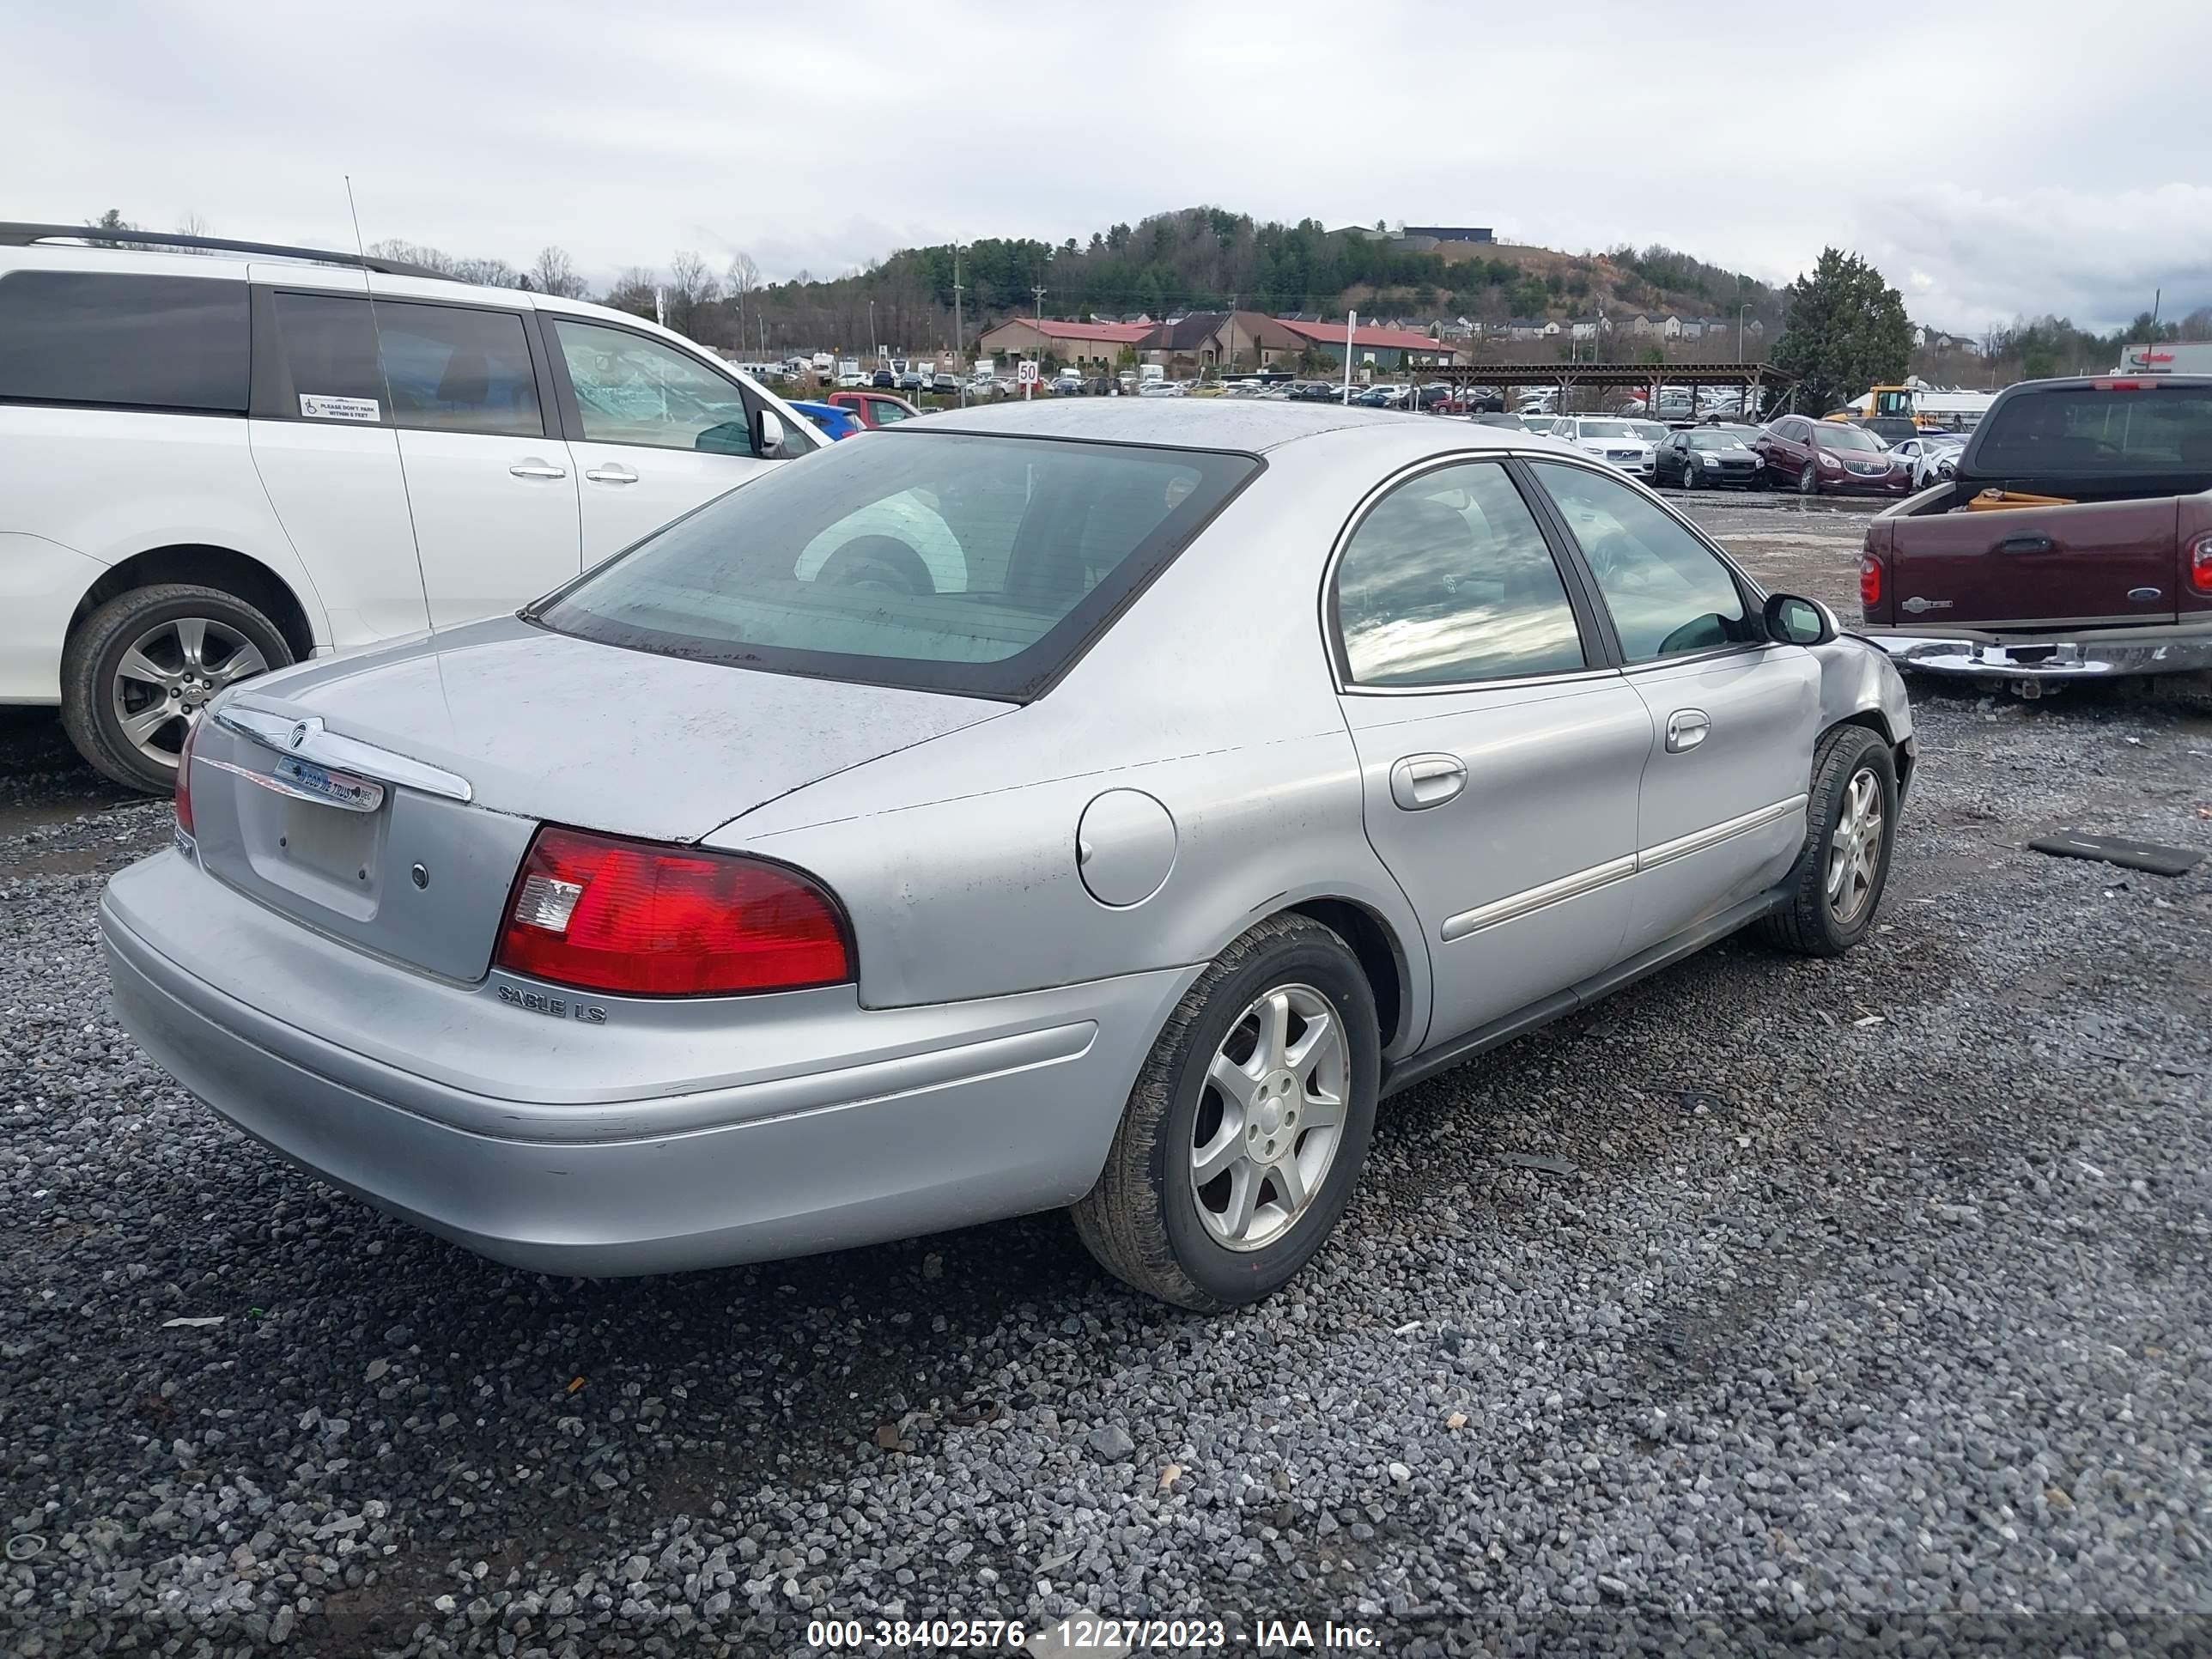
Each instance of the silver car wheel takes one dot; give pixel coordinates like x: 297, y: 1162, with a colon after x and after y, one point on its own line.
x: 1270, y: 1118
x: 171, y: 673
x: 1854, y: 850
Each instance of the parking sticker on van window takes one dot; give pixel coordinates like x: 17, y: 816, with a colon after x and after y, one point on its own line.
x: 317, y: 407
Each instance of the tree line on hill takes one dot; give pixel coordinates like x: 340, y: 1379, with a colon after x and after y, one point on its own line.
x: 1842, y: 326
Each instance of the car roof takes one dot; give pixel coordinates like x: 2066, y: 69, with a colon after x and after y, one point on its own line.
x: 1248, y: 424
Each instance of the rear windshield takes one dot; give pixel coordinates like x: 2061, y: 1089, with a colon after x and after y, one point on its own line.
x: 940, y: 560
x: 2166, y: 429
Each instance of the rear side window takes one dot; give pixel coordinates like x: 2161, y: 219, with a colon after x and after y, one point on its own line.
x: 1448, y: 581
x: 2086, y: 433
x: 443, y: 368
x: 173, y: 342
x: 329, y: 349
x: 940, y: 560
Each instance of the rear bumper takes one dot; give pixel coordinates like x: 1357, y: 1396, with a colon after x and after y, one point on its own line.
x: 2045, y: 659
x: 981, y: 1109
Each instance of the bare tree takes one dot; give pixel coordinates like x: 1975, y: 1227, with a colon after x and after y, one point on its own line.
x: 632, y: 292
x: 553, y: 272
x: 742, y: 281
x: 192, y: 224
x: 692, y: 291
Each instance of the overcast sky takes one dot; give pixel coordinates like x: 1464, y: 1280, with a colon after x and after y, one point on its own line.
x: 1992, y: 159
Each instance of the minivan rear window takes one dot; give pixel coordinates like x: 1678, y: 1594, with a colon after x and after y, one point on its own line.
x: 2082, y: 431
x: 128, y: 341
x: 941, y: 561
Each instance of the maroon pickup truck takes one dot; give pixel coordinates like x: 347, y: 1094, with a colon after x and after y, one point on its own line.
x: 2114, y: 577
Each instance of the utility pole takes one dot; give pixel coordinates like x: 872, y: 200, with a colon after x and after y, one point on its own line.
x: 957, y: 351
x: 1040, y: 291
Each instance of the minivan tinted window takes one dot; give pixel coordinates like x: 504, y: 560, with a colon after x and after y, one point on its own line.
x: 940, y: 560
x: 330, y: 351
x: 133, y: 342
x: 2167, y: 428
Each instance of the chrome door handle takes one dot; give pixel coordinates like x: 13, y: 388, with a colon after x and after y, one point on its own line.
x: 1421, y: 781
x: 1686, y: 728
x: 614, y: 472
x: 534, y: 468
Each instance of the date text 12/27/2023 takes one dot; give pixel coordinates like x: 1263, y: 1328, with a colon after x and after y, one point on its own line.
x: 1090, y: 1634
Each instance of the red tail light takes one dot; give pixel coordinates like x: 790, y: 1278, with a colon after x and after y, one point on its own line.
x: 604, y: 915
x: 2200, y: 564
x: 184, y: 779
x: 1870, y: 581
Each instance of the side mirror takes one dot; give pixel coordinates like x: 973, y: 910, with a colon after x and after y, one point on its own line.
x: 771, y: 433
x: 1794, y: 621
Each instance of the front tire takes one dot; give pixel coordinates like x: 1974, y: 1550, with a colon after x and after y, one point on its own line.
x: 1248, y: 1126
x: 1809, y: 481
x: 137, y: 671
x: 1836, y: 885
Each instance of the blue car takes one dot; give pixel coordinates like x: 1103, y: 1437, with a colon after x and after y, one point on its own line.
x: 836, y: 421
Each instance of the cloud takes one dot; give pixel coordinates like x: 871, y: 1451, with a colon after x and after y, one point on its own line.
x: 2098, y: 257
x: 1957, y: 145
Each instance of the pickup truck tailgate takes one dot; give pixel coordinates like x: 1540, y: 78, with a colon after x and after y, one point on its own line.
x: 2089, y: 564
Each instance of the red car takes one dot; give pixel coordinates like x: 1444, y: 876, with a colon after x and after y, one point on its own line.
x: 874, y: 409
x: 1817, y: 456
x: 2075, y: 544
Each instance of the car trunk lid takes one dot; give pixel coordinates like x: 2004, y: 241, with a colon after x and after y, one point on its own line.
x: 354, y: 796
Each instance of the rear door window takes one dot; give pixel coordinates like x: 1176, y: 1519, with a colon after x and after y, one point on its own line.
x: 941, y: 561
x: 1447, y: 581
x: 330, y: 353
x: 168, y: 342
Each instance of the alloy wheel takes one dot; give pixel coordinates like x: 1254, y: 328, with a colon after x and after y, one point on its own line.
x: 170, y: 673
x: 1270, y: 1118
x: 1854, y: 850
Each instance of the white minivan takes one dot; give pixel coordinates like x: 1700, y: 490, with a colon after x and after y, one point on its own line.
x: 220, y: 462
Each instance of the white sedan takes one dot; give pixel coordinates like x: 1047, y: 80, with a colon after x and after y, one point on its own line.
x: 1608, y: 439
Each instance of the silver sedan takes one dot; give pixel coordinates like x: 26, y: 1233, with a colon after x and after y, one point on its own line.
x: 1102, y: 804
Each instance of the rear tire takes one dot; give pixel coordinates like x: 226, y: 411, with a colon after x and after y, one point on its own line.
x: 136, y: 672
x: 1836, y: 885
x: 1151, y: 1220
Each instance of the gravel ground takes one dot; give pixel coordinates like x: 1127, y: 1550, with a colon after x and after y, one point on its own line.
x: 1769, y: 1300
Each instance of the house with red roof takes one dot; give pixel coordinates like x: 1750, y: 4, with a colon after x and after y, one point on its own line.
x: 1098, y: 344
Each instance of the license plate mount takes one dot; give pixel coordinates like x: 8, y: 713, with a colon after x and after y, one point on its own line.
x: 343, y: 790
